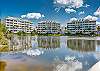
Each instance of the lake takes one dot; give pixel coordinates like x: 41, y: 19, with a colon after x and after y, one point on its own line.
x: 50, y: 53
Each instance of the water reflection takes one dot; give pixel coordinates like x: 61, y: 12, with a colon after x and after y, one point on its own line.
x: 2, y: 65
x: 18, y: 43
x: 83, y: 45
x: 70, y: 66
x: 48, y: 42
x: 73, y: 54
x: 31, y: 52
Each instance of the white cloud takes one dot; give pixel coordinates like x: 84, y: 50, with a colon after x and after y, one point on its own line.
x: 33, y: 16
x: 68, y: 10
x: 82, y: 12
x: 69, y: 3
x: 35, y: 52
x: 97, y: 13
x: 86, y: 5
x: 73, y: 19
x: 57, y: 9
x: 89, y: 17
x: 98, y: 23
x: 23, y: 16
x: 61, y: 1
x: 43, y: 16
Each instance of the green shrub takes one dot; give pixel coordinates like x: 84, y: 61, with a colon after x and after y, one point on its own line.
x: 3, y: 30
x: 21, y: 33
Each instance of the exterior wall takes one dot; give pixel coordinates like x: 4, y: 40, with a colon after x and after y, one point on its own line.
x: 48, y: 27
x: 15, y: 25
x: 83, y: 26
x: 98, y: 29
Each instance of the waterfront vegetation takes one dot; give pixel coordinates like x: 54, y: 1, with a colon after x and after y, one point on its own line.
x: 21, y: 33
x: 3, y: 34
x: 50, y: 34
x: 79, y: 34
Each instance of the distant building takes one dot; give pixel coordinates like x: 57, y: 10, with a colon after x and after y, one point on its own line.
x: 48, y: 27
x: 17, y: 24
x: 63, y: 29
x: 98, y: 29
x: 83, y: 26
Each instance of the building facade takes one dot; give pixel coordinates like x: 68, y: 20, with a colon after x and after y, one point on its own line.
x: 98, y: 29
x: 83, y: 26
x: 48, y: 27
x: 17, y: 24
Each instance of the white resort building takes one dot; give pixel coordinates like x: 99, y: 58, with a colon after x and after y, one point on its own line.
x: 82, y: 25
x: 50, y: 27
x: 17, y: 24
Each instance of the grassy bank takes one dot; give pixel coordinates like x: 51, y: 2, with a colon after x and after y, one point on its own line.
x: 49, y: 35
x: 78, y: 35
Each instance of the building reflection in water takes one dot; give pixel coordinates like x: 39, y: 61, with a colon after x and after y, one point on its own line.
x: 83, y: 45
x: 98, y: 46
x: 18, y: 43
x: 48, y: 42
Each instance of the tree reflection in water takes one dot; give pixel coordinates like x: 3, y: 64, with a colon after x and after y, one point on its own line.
x: 18, y: 43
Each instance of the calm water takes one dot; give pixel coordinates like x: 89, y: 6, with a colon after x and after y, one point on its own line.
x: 49, y: 53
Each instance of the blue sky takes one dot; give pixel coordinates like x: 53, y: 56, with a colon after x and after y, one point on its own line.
x: 57, y: 10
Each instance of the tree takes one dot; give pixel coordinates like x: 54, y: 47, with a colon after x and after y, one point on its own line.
x: 92, y: 34
x: 68, y: 33
x: 3, y: 30
x: 33, y: 32
x: 21, y: 33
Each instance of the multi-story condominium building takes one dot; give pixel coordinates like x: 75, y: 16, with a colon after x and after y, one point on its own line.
x: 48, y: 27
x: 17, y: 24
x: 82, y: 25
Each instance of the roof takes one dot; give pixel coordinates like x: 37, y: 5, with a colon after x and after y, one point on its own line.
x: 20, y: 19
